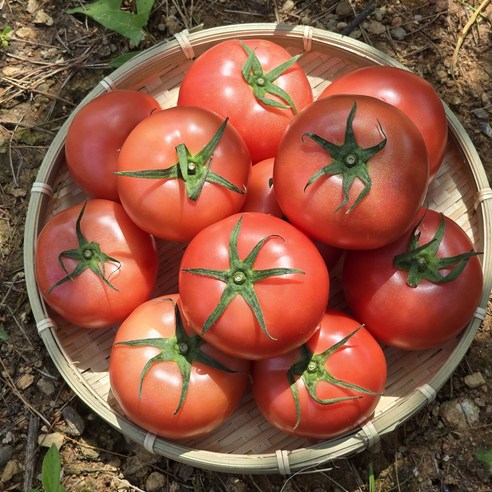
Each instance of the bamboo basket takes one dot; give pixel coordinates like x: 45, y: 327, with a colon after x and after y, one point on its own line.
x: 246, y: 443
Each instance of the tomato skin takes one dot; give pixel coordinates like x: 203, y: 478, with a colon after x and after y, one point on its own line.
x: 261, y: 194
x: 410, y: 93
x: 360, y: 361
x: 292, y: 304
x: 212, y: 395
x: 215, y: 82
x: 399, y: 174
x: 161, y: 207
x: 412, y: 318
x: 87, y: 301
x: 96, y: 134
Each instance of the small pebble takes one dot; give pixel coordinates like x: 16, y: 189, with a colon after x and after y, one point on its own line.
x: 474, y: 380
x: 486, y: 129
x: 398, y: 33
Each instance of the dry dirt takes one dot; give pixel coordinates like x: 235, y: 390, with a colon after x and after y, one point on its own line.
x: 47, y: 66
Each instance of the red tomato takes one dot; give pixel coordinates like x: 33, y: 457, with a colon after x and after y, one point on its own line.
x: 351, y: 171
x: 410, y: 93
x: 96, y: 134
x: 422, y: 316
x: 253, y: 285
x: 261, y: 195
x: 167, y: 205
x: 358, y: 361
x: 106, y: 273
x: 170, y: 400
x: 215, y: 81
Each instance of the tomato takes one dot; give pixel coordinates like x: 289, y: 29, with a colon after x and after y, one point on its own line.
x: 186, y: 168
x: 336, y: 378
x: 261, y: 195
x: 351, y: 171
x: 166, y: 379
x: 410, y: 93
x: 271, y: 77
x: 253, y: 285
x: 96, y: 134
x: 94, y: 265
x: 410, y: 302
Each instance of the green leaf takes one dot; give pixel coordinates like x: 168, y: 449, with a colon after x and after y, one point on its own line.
x: 108, y: 13
x: 51, y: 471
x: 117, y: 61
x: 3, y: 335
x: 485, y: 456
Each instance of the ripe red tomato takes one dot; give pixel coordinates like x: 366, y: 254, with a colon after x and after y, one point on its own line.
x: 227, y: 80
x: 351, y: 171
x: 166, y: 379
x: 305, y: 374
x: 253, y: 285
x: 408, y: 92
x: 94, y: 265
x: 261, y: 194
x: 429, y: 313
x: 194, y: 170
x: 96, y: 134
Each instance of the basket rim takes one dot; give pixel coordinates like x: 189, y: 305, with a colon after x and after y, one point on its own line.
x: 285, y: 462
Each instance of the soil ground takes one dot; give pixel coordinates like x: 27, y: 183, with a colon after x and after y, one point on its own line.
x: 48, y: 64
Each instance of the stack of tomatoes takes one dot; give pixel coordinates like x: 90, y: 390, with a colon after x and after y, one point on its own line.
x: 267, y: 190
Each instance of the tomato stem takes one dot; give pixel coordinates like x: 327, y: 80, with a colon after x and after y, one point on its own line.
x: 422, y: 262
x: 88, y: 256
x: 183, y: 350
x: 194, y: 170
x: 312, y: 369
x: 348, y: 160
x: 240, y: 279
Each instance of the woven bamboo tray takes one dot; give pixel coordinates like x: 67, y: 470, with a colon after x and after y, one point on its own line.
x: 246, y: 443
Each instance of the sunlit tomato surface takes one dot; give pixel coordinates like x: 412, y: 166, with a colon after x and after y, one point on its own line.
x: 129, y: 269
x: 379, y: 160
x: 408, y: 92
x: 96, y: 134
x: 215, y: 81
x: 153, y: 403
x: 421, y: 317
x: 270, y: 265
x: 359, y: 361
x: 162, y: 205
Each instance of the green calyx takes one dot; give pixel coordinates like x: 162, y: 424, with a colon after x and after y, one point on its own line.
x: 240, y: 279
x: 263, y: 83
x: 422, y: 262
x: 348, y: 160
x: 181, y: 349
x: 88, y: 256
x: 311, y: 369
x: 194, y: 170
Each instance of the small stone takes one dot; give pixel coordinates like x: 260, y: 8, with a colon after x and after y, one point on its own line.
x: 161, y: 27
x: 474, y: 380
x: 398, y: 33
x: 341, y: 26
x: 26, y: 33
x: 397, y: 21
x: 25, y: 381
x: 5, y: 454
x: 288, y: 6
x: 460, y: 413
x: 46, y: 440
x: 344, y: 9
x: 173, y: 25
x: 155, y: 481
x: 11, y: 469
x: 32, y: 6
x: 41, y: 17
x: 375, y: 27
x: 486, y: 129
x: 88, y: 449
x: 11, y: 71
x: 75, y: 423
x: 379, y: 13
x: 481, y: 114
x: 46, y: 387
x: 135, y: 467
